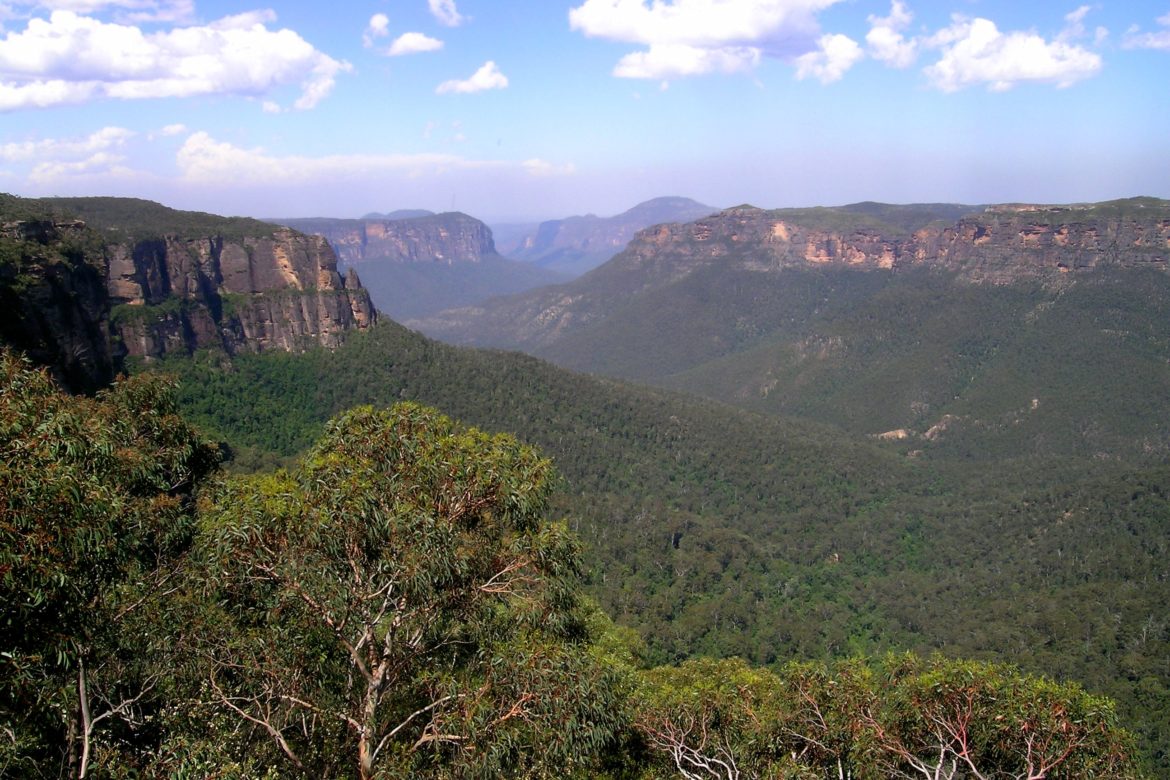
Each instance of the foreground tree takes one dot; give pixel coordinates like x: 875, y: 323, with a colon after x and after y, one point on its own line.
x: 400, y: 606
x: 95, y: 510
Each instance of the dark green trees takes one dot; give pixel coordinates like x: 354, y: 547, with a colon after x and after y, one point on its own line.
x: 400, y: 606
x: 94, y: 511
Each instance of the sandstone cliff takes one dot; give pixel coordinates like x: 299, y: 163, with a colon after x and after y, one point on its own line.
x: 133, y: 279
x: 996, y: 245
x: 1001, y: 244
x: 575, y: 245
x: 249, y: 294
x: 439, y: 238
x: 53, y: 302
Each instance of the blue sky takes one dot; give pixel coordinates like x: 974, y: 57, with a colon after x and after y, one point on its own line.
x: 512, y: 110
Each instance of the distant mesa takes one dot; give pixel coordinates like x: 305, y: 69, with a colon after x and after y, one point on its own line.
x: 416, y: 263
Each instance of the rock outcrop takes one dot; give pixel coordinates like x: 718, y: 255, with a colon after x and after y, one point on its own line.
x: 578, y: 244
x: 81, y: 297
x: 447, y: 238
x: 53, y: 301
x: 1001, y: 244
x: 249, y: 294
x: 997, y: 245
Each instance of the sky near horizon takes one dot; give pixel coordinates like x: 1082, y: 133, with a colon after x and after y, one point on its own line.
x: 519, y: 110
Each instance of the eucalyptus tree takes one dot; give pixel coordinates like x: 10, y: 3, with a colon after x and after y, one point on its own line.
x: 95, y: 511
x: 399, y: 605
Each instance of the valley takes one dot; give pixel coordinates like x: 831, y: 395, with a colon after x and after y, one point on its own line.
x: 962, y: 457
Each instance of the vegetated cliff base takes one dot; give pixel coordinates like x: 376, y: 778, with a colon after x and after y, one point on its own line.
x: 995, y: 245
x: 88, y: 282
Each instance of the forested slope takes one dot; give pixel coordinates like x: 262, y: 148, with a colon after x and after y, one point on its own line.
x: 717, y: 531
x: 400, y: 604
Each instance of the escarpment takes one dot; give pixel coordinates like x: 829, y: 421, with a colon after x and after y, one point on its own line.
x: 1000, y: 244
x: 249, y: 294
x: 87, y: 282
x: 447, y: 238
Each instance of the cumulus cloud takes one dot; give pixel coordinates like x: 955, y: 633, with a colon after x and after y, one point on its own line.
x: 836, y: 54
x: 682, y: 60
x: 1136, y: 39
x: 175, y: 129
x: 101, y: 141
x: 413, y: 43
x: 446, y: 13
x: 692, y: 37
x: 974, y: 51
x: 885, y: 39
x: 69, y: 58
x: 55, y: 158
x: 377, y: 27
x: 487, y: 77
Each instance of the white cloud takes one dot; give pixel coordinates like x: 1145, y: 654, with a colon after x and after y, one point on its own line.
x: 1136, y: 39
x: 538, y: 167
x: 446, y: 13
x: 691, y: 37
x: 175, y: 129
x: 885, y: 39
x: 837, y: 54
x: 54, y: 149
x: 413, y: 43
x: 487, y: 77
x: 682, y: 60
x: 974, y: 51
x: 69, y: 58
x: 204, y: 160
x: 53, y: 159
x: 377, y: 27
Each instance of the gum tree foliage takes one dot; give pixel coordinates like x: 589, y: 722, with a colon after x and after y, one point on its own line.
x: 903, y: 717
x: 400, y: 606
x: 94, y: 508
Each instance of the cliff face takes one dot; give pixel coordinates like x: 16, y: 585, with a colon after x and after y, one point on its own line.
x: 1003, y: 244
x: 443, y: 238
x: 248, y: 294
x: 53, y: 302
x: 80, y: 298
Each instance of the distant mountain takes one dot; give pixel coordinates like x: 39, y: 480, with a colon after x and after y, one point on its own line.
x: 1013, y: 324
x: 418, y: 265
x: 577, y: 244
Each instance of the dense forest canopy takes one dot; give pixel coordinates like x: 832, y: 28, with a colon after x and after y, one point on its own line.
x: 718, y: 532
x: 399, y: 604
